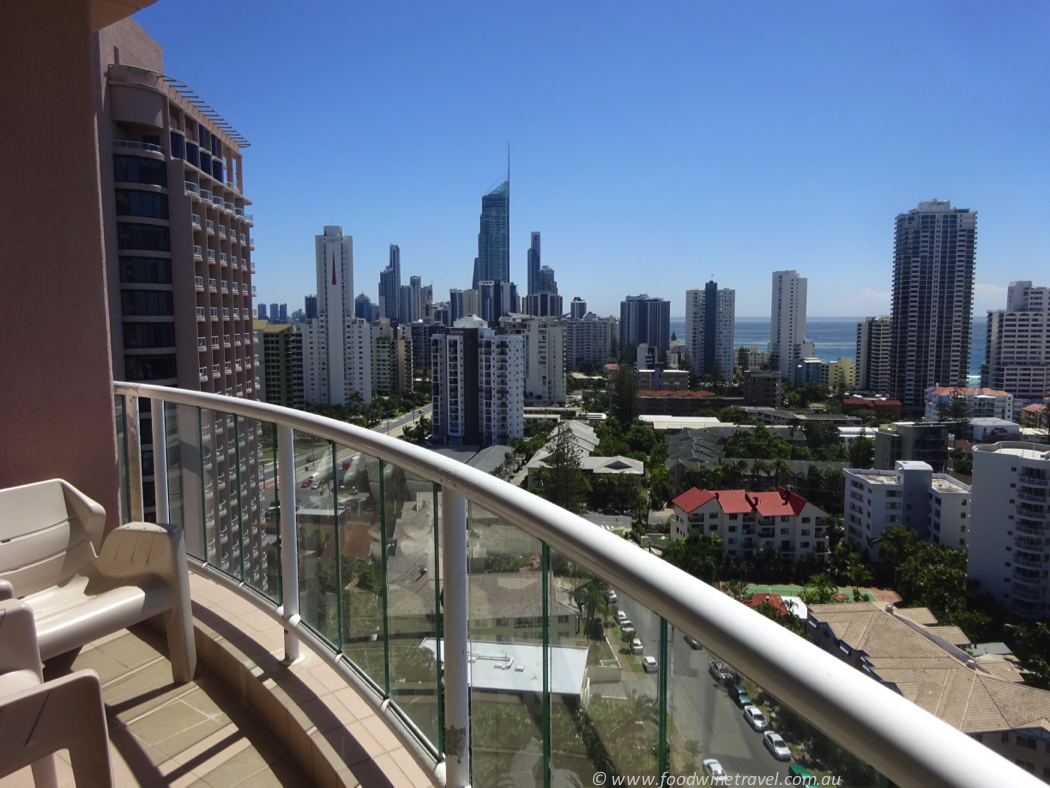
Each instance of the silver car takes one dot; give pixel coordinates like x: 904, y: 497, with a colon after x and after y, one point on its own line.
x: 776, y: 745
x: 755, y: 718
x: 715, y: 773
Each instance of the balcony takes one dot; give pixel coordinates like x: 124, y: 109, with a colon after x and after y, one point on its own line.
x: 378, y: 642
x: 125, y: 145
x: 193, y: 190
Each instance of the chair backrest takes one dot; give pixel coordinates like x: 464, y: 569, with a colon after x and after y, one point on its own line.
x: 44, y: 541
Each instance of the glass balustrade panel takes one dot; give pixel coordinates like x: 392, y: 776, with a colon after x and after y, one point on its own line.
x: 411, y: 565
x: 318, y: 534
x: 120, y: 414
x: 505, y: 629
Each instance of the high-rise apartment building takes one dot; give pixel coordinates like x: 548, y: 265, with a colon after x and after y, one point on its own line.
x: 282, y: 364
x: 390, y: 286
x: 178, y: 252
x: 645, y: 320
x: 262, y: 311
x: 496, y: 299
x: 462, y: 303
x: 391, y: 357
x: 310, y: 307
x: 493, y: 261
x: 338, y: 345
x: 787, y: 325
x: 1009, y: 528
x: 544, y: 356
x: 709, y: 329
x: 477, y: 384
x: 932, y: 308
x: 275, y: 312
x: 1017, y: 355
x: 365, y: 309
x: 577, y: 308
x: 874, y: 340
x: 532, y: 262
x: 589, y: 341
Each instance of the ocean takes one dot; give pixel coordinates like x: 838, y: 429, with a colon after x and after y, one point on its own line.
x: 834, y: 337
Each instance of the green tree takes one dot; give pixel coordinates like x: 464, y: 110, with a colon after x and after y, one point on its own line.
x: 736, y: 588
x: 820, y: 590
x: 957, y: 412
x: 1030, y: 641
x: 562, y: 482
x: 626, y: 404
x: 862, y: 452
x: 697, y: 554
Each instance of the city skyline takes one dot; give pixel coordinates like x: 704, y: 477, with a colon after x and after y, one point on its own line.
x: 808, y: 112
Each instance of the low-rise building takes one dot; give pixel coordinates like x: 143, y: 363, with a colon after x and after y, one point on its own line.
x: 748, y: 522
x: 982, y: 403
x: 908, y: 651
x: 934, y: 505
x: 663, y: 379
x: 906, y: 440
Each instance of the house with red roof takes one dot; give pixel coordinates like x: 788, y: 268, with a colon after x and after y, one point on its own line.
x: 748, y: 522
x: 983, y: 403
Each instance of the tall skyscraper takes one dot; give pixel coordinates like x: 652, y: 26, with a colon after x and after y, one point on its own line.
x: 533, y: 262
x: 874, y: 339
x: 1017, y: 356
x: 390, y: 286
x: 645, y: 320
x: 275, y: 312
x: 310, y: 311
x: 709, y: 329
x: 932, y: 308
x: 338, y: 345
x: 578, y: 308
x: 493, y: 261
x: 496, y: 299
x: 787, y: 325
x: 262, y: 311
x: 284, y: 313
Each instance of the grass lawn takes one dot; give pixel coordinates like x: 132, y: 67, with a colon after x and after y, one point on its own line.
x: 866, y: 596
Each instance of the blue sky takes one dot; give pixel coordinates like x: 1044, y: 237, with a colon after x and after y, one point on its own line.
x: 654, y: 145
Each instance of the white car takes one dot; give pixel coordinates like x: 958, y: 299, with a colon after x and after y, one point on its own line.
x: 610, y: 596
x: 715, y: 773
x: 636, y: 646
x: 649, y: 664
x: 620, y: 616
x: 625, y: 623
x: 755, y: 718
x: 776, y: 745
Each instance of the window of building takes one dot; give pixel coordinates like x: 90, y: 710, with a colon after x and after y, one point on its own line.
x: 151, y: 205
x: 149, y: 367
x: 136, y: 169
x: 147, y: 237
x: 146, y: 302
x: 145, y: 270
x: 149, y: 335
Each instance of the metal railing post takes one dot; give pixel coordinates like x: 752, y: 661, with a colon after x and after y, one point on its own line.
x: 134, y: 427
x: 160, y: 459
x: 457, y: 687
x: 289, y: 544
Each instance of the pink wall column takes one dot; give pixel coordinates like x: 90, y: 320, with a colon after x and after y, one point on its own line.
x: 56, y: 398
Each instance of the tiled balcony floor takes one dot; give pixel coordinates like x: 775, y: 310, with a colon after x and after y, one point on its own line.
x: 205, y: 734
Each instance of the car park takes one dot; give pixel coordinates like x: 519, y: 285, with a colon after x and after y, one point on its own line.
x: 715, y: 773
x: 636, y: 646
x: 776, y: 745
x: 755, y: 718
x: 739, y: 695
x: 718, y: 671
x: 649, y: 664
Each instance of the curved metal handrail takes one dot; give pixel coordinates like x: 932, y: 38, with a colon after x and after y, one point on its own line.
x: 901, y: 740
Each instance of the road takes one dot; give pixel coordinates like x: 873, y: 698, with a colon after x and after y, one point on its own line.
x: 320, y: 462
x: 698, y: 706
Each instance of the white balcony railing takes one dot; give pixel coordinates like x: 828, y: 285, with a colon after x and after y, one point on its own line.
x: 355, y: 618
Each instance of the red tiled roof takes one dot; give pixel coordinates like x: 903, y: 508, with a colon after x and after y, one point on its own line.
x: 773, y: 599
x: 1036, y: 408
x: 767, y: 504
x: 946, y: 391
x: 734, y: 501
x: 692, y: 499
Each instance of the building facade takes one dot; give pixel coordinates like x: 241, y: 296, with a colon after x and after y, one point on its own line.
x: 390, y: 286
x: 532, y: 262
x: 908, y: 440
x: 982, y: 403
x: 874, y: 336
x: 391, y: 357
x: 577, y: 308
x: 932, y: 308
x: 1010, y: 533
x: 282, y: 364
x: 787, y: 325
x: 493, y: 261
x: 645, y: 321
x: 710, y: 316
x: 588, y: 341
x: 544, y: 356
x: 1017, y: 354
x: 934, y: 505
x: 477, y: 384
x: 748, y: 522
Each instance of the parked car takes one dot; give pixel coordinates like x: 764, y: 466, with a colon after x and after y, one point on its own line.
x: 306, y: 483
x: 610, y: 596
x: 755, y: 718
x: 636, y: 646
x: 692, y: 643
x: 715, y: 773
x: 626, y: 624
x: 649, y: 664
x: 739, y: 695
x: 776, y: 745
x: 620, y: 616
x: 718, y: 671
